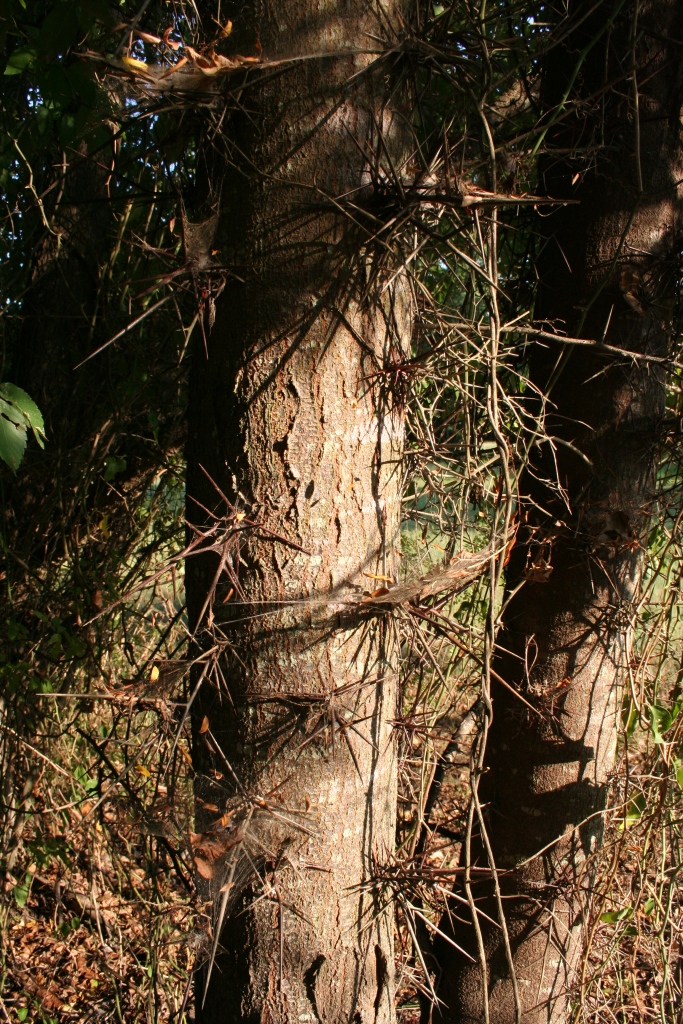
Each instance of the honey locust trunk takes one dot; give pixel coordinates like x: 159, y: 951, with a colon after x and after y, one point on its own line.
x: 608, y: 272
x: 293, y: 420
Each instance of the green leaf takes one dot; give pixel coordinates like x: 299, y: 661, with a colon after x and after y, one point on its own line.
x: 633, y: 811
x: 47, y: 849
x: 21, y: 59
x: 661, y: 720
x: 18, y: 413
x: 113, y: 466
x: 12, y: 413
x: 59, y: 31
x: 81, y: 776
x: 21, y: 892
x: 630, y: 719
x: 614, y: 916
x: 25, y: 404
x: 22, y: 1014
x: 12, y: 442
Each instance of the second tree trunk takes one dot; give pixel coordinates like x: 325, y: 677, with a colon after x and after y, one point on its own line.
x: 606, y: 273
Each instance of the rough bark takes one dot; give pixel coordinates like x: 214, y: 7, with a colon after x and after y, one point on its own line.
x: 289, y: 418
x: 607, y: 272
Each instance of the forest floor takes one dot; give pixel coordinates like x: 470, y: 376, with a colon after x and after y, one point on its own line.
x: 100, y: 922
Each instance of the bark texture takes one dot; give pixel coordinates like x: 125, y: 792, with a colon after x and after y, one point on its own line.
x: 607, y: 272
x: 290, y: 419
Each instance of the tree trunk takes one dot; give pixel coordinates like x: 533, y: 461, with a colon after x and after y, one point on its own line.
x: 607, y: 272
x: 290, y: 418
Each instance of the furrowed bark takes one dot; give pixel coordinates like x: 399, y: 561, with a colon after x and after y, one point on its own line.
x: 607, y: 272
x: 288, y: 416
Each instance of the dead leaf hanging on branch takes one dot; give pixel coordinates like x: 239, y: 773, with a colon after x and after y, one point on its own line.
x: 461, y: 571
x: 192, y: 71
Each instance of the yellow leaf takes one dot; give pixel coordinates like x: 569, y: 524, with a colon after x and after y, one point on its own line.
x: 226, y: 30
x: 141, y: 769
x: 104, y: 527
x: 154, y: 674
x: 136, y: 66
x: 240, y: 516
x: 381, y: 579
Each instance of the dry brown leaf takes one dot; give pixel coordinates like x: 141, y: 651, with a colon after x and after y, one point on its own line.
x: 204, y: 868
x: 179, y: 64
x: 210, y: 846
x: 162, y: 808
x: 168, y: 41
x: 198, y: 58
x: 538, y: 572
x: 563, y: 683
x: 204, y: 727
x: 380, y: 592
